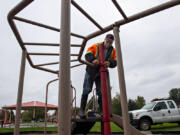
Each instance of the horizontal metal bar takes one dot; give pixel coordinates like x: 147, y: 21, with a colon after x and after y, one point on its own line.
x: 119, y: 9
x: 47, y: 44
x: 74, y: 60
x: 52, y: 54
x: 86, y: 14
x: 53, y: 63
x: 45, y: 69
x: 45, y: 64
x: 36, y: 23
x: 76, y: 65
x: 71, y: 67
x: 75, y: 45
x: 40, y: 44
x: 44, y: 26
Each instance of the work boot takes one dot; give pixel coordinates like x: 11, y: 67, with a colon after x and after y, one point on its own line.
x: 81, y: 114
x: 83, y: 106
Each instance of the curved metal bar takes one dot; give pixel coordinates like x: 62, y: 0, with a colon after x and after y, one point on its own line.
x: 46, y: 101
x: 44, y: 26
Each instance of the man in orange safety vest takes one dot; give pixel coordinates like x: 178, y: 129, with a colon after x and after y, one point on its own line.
x: 92, y: 73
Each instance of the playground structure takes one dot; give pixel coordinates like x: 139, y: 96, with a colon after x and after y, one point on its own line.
x: 64, y: 121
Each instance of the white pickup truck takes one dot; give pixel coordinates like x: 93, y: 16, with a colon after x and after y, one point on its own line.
x: 156, y: 112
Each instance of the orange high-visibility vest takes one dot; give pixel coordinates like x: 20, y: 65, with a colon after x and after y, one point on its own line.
x: 94, y: 49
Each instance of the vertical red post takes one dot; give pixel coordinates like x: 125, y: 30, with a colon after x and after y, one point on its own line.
x: 105, y: 103
x: 102, y: 128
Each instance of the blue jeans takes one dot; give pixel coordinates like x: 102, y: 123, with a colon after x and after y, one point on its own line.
x: 88, y: 84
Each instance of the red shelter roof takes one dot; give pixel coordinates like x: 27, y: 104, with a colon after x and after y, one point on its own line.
x: 32, y: 104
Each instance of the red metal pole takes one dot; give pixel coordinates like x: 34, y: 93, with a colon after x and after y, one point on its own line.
x: 102, y: 128
x: 105, y: 103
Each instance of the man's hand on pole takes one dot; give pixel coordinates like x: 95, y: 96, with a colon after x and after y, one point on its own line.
x: 106, y: 64
x: 95, y: 62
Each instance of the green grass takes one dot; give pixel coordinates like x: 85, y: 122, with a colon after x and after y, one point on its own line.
x: 7, y: 130
x: 166, y: 127
x: 159, y: 127
x: 97, y: 128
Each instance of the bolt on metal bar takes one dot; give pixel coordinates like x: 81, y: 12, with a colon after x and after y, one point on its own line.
x: 44, y: 26
x: 47, y: 44
x: 86, y: 14
x: 119, y: 9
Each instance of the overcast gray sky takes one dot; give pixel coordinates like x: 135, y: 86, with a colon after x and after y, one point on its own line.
x: 150, y: 48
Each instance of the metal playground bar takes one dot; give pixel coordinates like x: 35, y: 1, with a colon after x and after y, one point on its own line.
x: 64, y: 121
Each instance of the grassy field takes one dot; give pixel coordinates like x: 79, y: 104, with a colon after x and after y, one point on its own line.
x: 97, y: 128
x: 114, y: 127
x: 159, y: 127
x: 7, y: 130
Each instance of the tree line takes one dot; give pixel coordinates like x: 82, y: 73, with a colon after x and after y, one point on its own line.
x: 139, y: 102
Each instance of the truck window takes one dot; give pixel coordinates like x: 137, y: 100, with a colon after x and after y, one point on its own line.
x: 162, y: 105
x: 149, y: 106
x: 171, y: 105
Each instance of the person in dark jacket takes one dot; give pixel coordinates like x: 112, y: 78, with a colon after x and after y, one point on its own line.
x: 92, y: 73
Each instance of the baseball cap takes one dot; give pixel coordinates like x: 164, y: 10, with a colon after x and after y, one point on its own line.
x: 110, y: 36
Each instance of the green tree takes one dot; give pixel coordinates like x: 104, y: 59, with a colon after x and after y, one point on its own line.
x: 132, y: 105
x: 140, y: 101
x: 27, y: 115
x: 116, y: 105
x: 174, y: 94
